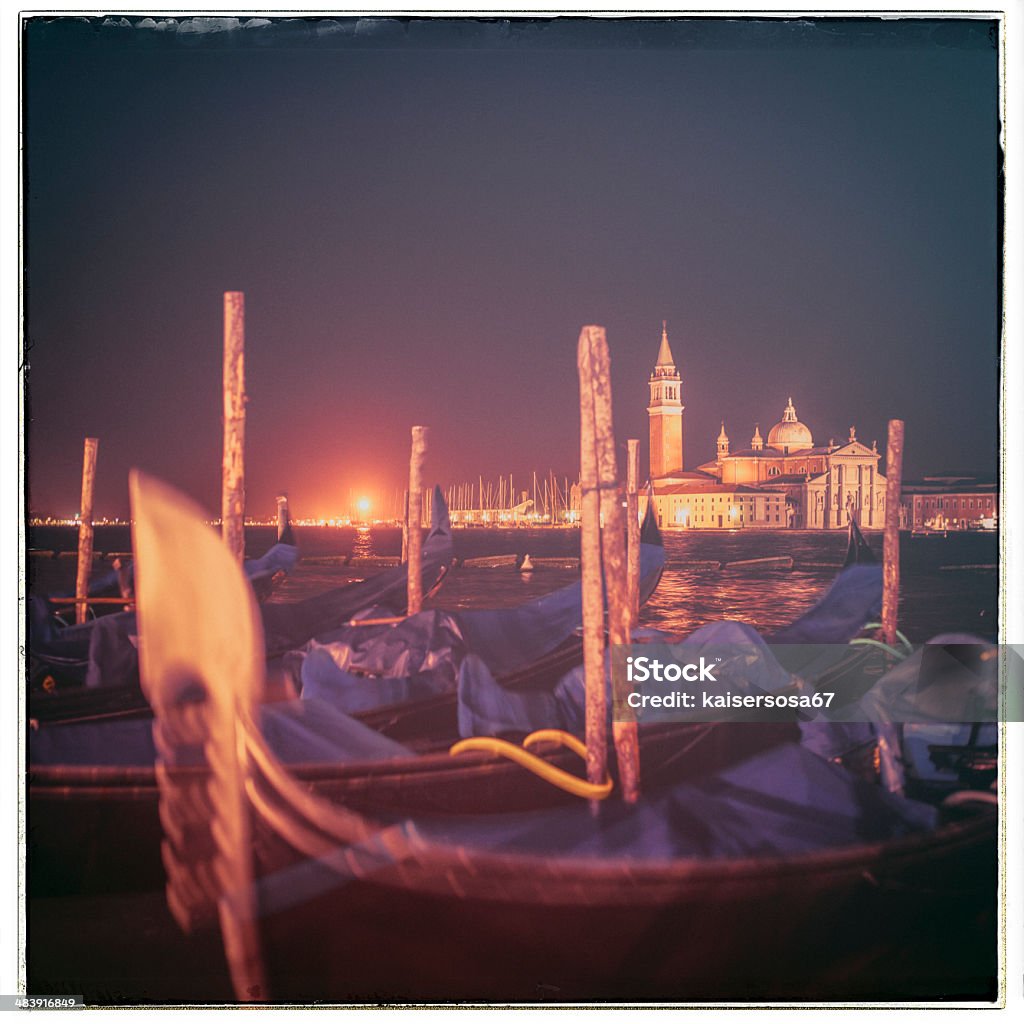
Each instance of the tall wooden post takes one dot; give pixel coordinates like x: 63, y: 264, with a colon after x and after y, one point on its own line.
x: 596, y: 733
x: 85, y: 528
x: 891, y: 544
x: 613, y: 548
x: 633, y: 530
x: 233, y: 466
x: 284, y: 526
x: 415, y: 540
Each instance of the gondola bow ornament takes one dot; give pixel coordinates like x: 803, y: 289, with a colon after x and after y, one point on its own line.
x: 202, y: 672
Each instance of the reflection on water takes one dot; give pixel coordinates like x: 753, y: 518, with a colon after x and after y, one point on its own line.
x: 686, y: 599
x: 363, y: 543
x: 942, y: 587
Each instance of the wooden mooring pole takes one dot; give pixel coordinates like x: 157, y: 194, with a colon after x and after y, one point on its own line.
x: 613, y: 549
x: 633, y: 530
x: 596, y: 732
x: 85, y: 533
x: 415, y: 518
x: 233, y: 465
x: 603, y: 550
x: 891, y: 543
x: 284, y: 522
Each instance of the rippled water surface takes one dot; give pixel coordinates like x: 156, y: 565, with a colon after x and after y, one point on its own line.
x: 944, y: 587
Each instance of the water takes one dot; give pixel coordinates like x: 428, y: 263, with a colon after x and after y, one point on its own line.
x: 934, y: 598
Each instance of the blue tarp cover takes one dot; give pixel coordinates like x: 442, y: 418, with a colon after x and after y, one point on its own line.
x: 423, y: 653
x: 783, y: 801
x: 297, y: 731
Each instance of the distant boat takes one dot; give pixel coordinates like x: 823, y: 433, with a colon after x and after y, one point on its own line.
x: 858, y: 551
x: 62, y: 652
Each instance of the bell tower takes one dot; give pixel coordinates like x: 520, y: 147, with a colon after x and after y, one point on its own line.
x: 665, y: 413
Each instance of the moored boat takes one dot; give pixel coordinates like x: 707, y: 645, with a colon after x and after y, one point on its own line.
x: 99, y: 660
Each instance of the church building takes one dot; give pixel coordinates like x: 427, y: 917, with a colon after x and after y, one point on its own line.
x: 784, y: 481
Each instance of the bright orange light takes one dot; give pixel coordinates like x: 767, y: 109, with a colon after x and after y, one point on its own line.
x: 363, y: 504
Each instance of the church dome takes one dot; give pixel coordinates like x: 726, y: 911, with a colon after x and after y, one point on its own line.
x: 789, y: 433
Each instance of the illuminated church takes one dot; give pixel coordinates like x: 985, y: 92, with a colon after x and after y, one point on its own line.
x: 778, y: 482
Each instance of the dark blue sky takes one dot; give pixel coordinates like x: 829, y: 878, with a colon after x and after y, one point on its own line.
x: 422, y: 215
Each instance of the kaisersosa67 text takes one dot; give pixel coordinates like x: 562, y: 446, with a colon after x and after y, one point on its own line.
x: 727, y: 701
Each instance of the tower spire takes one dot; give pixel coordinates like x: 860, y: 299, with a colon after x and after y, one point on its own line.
x: 665, y: 353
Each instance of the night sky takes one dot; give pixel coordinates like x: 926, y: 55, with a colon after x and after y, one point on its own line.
x: 422, y: 216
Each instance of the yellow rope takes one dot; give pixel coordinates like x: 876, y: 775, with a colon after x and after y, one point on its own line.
x: 541, y: 768
x: 566, y: 739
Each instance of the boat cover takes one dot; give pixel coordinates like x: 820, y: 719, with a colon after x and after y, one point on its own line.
x: 488, y: 709
x: 280, y: 558
x: 854, y: 599
x: 423, y: 653
x: 783, y: 801
x: 297, y: 731
x: 945, y: 693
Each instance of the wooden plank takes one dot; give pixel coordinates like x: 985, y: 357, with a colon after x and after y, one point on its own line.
x: 374, y: 561
x: 490, y: 562
x: 773, y: 562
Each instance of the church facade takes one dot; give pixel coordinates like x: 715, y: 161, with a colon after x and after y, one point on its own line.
x: 784, y: 481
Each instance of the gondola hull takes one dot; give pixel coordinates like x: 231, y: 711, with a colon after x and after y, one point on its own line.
x: 900, y: 922
x: 98, y: 830
x: 911, y: 919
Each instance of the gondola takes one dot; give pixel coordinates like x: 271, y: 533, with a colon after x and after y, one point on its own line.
x: 728, y: 888
x: 98, y: 660
x: 99, y: 653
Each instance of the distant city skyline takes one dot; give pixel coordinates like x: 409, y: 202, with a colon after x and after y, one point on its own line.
x: 423, y: 213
